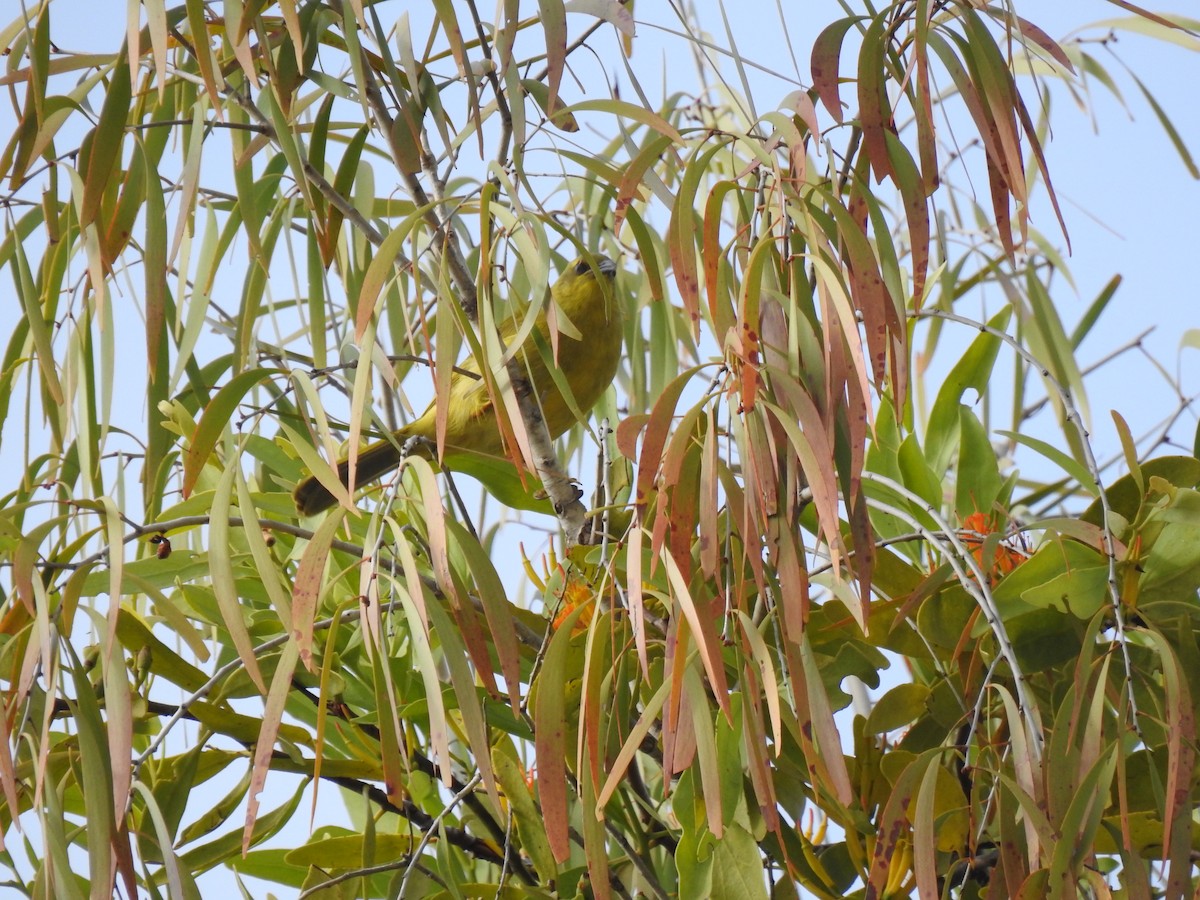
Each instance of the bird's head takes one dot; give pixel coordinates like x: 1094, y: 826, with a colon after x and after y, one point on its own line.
x: 586, y: 283
x: 604, y: 265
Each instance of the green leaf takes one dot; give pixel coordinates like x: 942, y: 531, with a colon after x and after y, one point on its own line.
x: 918, y: 477
x: 729, y: 763
x: 344, y: 851
x: 1094, y: 311
x: 217, y: 416
x: 1124, y: 495
x: 973, y: 371
x: 530, y: 826
x: 977, y: 481
x: 1082, y: 591
x: 694, y: 852
x: 737, y: 868
x: 900, y: 706
x: 272, y: 865
x: 105, y: 146
x: 1171, y: 570
x: 223, y: 584
x: 503, y: 482
x: 1169, y: 127
x: 1076, y: 470
x: 228, y: 846
x: 95, y: 763
x: 1063, y: 575
x: 37, y: 322
x: 165, y: 662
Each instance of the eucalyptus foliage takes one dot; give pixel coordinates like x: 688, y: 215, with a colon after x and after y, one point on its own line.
x: 258, y: 234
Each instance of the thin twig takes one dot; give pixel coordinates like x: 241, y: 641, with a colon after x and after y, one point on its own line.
x: 976, y: 584
x: 1074, y: 418
x: 437, y: 821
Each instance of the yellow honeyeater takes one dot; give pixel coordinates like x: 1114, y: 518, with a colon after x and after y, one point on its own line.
x: 585, y: 297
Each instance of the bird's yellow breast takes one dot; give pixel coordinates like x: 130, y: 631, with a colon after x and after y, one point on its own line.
x: 585, y: 298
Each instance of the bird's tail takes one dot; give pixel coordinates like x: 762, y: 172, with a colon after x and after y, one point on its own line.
x: 374, y: 462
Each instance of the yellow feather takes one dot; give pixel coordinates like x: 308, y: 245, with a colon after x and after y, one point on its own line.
x: 584, y: 297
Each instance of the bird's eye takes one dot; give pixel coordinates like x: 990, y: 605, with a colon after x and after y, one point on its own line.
x: 582, y: 268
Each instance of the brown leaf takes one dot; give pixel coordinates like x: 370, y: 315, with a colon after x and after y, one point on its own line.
x: 826, y: 56
x: 306, y: 587
x: 874, y: 109
x: 1043, y: 40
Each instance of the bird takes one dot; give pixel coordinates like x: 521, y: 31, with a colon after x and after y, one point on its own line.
x: 585, y: 296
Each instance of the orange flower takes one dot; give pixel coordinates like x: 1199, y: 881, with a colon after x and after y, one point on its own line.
x: 1007, y: 556
x: 576, y: 593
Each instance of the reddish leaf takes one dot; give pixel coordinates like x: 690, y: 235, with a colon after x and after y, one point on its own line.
x: 1181, y: 760
x: 658, y: 531
x: 811, y: 446
x: 681, y: 235
x: 745, y: 341
x: 721, y: 315
x: 870, y: 294
x: 979, y: 112
x: 863, y: 558
x: 893, y: 824
x: 710, y: 539
x: 1036, y: 146
x: 678, y: 744
x: 826, y: 56
x: 554, y: 24
x: 550, y: 739
x: 629, y: 430
x: 439, y: 552
x: 1147, y: 14
x: 680, y: 479
x: 802, y: 101
x: 742, y: 520
x: 916, y: 211
x: 874, y: 109
x: 307, y: 586
x: 1043, y: 40
x: 496, y: 608
x: 633, y: 179
x: 1000, y: 210
x: 793, y: 584
x: 923, y: 104
x: 477, y: 645
x: 272, y: 715
x: 997, y: 89
x: 700, y: 617
x: 860, y: 521
x: 8, y: 778
x: 658, y: 427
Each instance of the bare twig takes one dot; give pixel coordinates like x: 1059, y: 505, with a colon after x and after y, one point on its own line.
x: 433, y: 826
